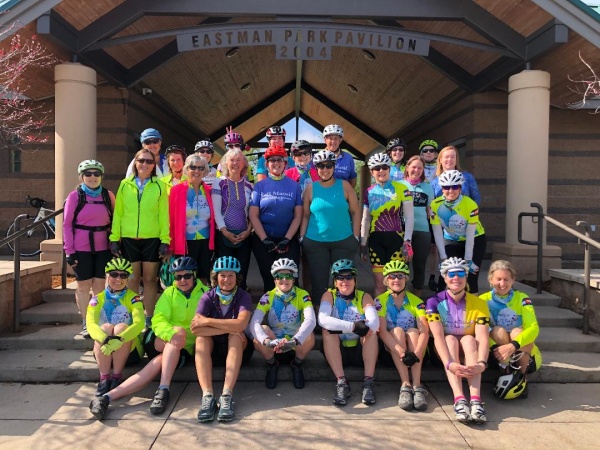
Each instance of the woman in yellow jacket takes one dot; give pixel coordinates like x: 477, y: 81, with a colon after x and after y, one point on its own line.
x: 115, y: 319
x: 140, y: 227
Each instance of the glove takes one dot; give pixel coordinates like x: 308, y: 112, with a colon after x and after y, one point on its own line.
x: 71, y: 260
x: 364, y: 252
x: 112, y: 346
x: 115, y: 248
x: 269, y: 244
x: 163, y: 250
x: 300, y: 239
x: 289, y: 345
x: 271, y: 343
x: 283, y: 246
x: 407, y: 251
x: 410, y: 358
x: 473, y: 268
x: 361, y: 328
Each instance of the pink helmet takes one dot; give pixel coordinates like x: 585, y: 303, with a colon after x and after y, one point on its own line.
x: 234, y: 138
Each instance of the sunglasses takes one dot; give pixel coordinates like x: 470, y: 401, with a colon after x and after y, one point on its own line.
x: 396, y: 276
x: 145, y: 161
x: 121, y: 275
x: 205, y: 150
x: 284, y: 276
x: 397, y: 149
x: 232, y: 146
x: 456, y: 273
x: 92, y: 174
x: 192, y: 168
x: 151, y: 141
x: 305, y: 153
x: 382, y: 167
x: 348, y: 276
x: 428, y: 150
x: 186, y: 276
x: 454, y: 187
x: 325, y: 166
x: 275, y: 160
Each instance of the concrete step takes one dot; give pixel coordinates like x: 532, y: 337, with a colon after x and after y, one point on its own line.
x: 52, y: 313
x: 62, y: 337
x: 58, y: 296
x: 543, y: 299
x: 551, y: 316
x: 567, y: 340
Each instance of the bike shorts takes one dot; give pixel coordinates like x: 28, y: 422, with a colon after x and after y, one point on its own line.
x: 221, y: 349
x: 144, y: 250
x: 385, y: 246
x: 91, y: 265
x: 351, y: 356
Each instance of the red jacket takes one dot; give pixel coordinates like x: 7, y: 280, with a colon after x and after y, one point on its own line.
x: 177, y: 205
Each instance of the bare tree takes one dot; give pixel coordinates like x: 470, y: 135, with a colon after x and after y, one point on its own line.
x: 588, y: 88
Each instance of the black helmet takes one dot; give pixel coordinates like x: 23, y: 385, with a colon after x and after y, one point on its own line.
x: 183, y: 263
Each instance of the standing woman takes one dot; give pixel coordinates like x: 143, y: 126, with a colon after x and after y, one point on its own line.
x: 330, y: 222
x: 448, y: 160
x: 206, y: 149
x: 422, y: 194
x: 231, y: 200
x: 344, y: 165
x: 396, y: 150
x: 456, y: 227
x: 387, y: 204
x: 140, y: 228
x: 275, y: 213
x: 88, y: 214
x: 175, y: 155
x: 304, y: 172
x: 192, y: 217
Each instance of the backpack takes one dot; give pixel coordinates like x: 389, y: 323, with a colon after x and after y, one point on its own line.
x: 81, y: 202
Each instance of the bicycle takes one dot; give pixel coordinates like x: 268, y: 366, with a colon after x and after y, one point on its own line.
x: 30, y: 241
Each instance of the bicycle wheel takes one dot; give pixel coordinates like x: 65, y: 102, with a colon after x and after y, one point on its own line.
x: 29, y: 242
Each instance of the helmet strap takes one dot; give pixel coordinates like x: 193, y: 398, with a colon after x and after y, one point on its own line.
x: 397, y: 292
x: 286, y: 297
x: 457, y: 292
x: 326, y: 180
x: 346, y: 297
x: 451, y: 204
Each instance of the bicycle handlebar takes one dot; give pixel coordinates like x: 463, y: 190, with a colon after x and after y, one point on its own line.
x: 35, y: 202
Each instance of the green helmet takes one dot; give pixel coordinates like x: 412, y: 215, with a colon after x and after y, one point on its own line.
x: 164, y: 273
x: 395, y: 266
x: 510, y: 386
x: 90, y: 164
x: 119, y: 264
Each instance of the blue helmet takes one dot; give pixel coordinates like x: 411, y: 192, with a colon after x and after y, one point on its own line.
x: 183, y: 263
x: 150, y: 133
x: 343, y: 265
x: 227, y: 263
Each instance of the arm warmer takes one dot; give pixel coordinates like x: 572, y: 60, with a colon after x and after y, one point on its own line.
x: 365, y: 225
x: 258, y: 332
x: 408, y: 212
x: 438, y: 235
x: 331, y: 323
x: 471, y: 228
x: 307, y: 326
x: 372, y: 318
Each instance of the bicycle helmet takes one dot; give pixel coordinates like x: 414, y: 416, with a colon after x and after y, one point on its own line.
x: 324, y: 156
x: 118, y: 264
x: 510, y: 386
x: 90, y: 164
x: 379, y: 159
x: 203, y: 144
x: 396, y: 142
x: 150, y: 133
x: 275, y: 131
x: 234, y: 138
x: 176, y: 149
x: 284, y: 264
x: 451, y: 178
x: 343, y: 265
x: 429, y: 143
x: 164, y: 273
x: 275, y: 151
x: 333, y: 129
x: 183, y: 263
x: 227, y: 263
x: 453, y: 263
x: 395, y: 266
x: 300, y: 145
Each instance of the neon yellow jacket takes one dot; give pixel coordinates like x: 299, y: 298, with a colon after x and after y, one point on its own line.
x: 141, y: 217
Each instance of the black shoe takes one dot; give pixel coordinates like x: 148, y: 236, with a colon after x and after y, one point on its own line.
x: 342, y: 392
x: 368, y: 393
x: 432, y: 283
x: 226, y: 413
x: 161, y: 398
x: 98, y: 406
x: 271, y: 378
x: 208, y: 409
x: 114, y: 383
x: 103, y: 387
x: 297, y: 375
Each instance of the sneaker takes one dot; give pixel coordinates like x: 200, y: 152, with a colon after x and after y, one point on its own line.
x: 432, y: 283
x: 297, y: 375
x: 207, y: 409
x: 342, y: 392
x: 461, y: 409
x: 161, y: 398
x: 98, y: 406
x: 103, y: 387
x: 368, y: 393
x: 405, y: 399
x: 271, y: 378
x: 84, y: 332
x: 226, y: 413
x: 115, y: 382
x: 477, y: 412
x: 420, y: 402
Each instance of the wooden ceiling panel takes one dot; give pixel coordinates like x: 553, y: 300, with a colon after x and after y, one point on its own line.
x: 204, y: 85
x: 80, y: 14
x: 523, y: 16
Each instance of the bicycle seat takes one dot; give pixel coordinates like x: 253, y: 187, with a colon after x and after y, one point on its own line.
x: 37, y: 202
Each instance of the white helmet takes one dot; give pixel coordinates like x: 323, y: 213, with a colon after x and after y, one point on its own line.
x: 333, y: 129
x: 203, y: 144
x: 90, y: 164
x: 379, y: 159
x: 284, y: 264
x: 453, y: 263
x: 324, y: 156
x: 451, y: 178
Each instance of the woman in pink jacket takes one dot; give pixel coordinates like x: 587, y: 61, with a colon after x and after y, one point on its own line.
x: 192, y: 217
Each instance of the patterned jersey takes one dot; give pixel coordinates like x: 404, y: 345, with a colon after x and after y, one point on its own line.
x: 385, y: 205
x: 458, y: 318
x: 454, y: 220
x: 284, y: 318
x: 397, y: 172
x: 405, y: 316
x: 350, y: 312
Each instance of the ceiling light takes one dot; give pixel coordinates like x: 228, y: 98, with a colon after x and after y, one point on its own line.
x: 232, y: 52
x: 246, y: 87
x: 369, y: 55
x: 352, y: 88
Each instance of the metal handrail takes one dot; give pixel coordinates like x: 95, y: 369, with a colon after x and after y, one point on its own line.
x: 17, y: 261
x: 585, y: 238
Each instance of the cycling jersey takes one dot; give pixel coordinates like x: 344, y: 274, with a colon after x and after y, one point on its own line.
x: 231, y: 200
x: 458, y: 318
x: 429, y: 171
x: 454, y: 219
x: 212, y: 175
x: 284, y: 318
x: 422, y: 195
x: 397, y: 172
x: 303, y: 177
x: 385, y: 205
x: 406, y: 316
x: 349, y: 312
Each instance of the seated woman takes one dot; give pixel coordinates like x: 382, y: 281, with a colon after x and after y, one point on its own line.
x: 169, y: 344
x: 459, y: 323
x: 222, y: 316
x: 350, y: 323
x: 115, y: 319
x: 404, y: 331
x: 291, y: 319
x: 514, y: 330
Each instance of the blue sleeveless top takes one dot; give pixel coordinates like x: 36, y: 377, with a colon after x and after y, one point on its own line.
x: 329, y: 219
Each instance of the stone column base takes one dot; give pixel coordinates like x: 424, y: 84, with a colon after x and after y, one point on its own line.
x: 524, y: 259
x: 52, y: 250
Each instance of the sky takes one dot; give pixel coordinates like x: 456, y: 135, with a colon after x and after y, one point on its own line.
x: 305, y: 130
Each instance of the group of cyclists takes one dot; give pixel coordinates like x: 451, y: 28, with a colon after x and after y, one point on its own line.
x: 194, y: 225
